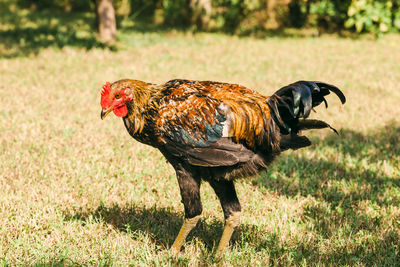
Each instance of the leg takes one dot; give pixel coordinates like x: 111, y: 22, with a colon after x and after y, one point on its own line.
x: 226, y: 193
x: 190, y: 192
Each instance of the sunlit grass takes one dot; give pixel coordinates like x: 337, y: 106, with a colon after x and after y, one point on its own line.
x: 78, y: 190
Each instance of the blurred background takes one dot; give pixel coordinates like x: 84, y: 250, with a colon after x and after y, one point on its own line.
x: 76, y: 190
x: 30, y: 24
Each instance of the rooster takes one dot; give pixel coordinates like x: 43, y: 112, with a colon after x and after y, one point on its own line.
x: 216, y: 132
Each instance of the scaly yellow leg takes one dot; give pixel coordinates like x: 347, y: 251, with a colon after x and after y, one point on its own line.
x: 188, y: 225
x: 230, y: 224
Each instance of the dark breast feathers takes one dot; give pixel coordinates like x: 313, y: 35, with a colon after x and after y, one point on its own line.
x: 209, y: 124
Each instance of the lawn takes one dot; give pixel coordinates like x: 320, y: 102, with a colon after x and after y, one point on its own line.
x: 79, y: 190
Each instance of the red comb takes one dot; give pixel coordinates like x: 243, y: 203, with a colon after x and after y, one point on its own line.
x: 105, y: 93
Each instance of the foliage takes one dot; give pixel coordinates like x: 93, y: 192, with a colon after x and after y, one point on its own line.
x: 176, y: 12
x: 231, y: 15
x: 143, y: 8
x: 246, y: 16
x: 66, y: 5
x: 330, y: 15
x: 297, y: 14
x: 376, y: 16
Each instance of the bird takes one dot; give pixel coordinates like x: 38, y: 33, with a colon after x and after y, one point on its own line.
x: 215, y: 132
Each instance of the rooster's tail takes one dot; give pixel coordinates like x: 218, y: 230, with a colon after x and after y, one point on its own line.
x: 291, y: 105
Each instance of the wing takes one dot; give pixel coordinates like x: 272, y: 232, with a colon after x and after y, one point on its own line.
x: 188, y: 116
x: 191, y: 124
x: 248, y: 117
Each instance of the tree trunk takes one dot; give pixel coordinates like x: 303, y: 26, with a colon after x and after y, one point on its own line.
x: 107, y: 26
x: 277, y: 10
x: 201, y: 13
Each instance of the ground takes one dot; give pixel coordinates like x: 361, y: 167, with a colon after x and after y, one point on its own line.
x: 79, y: 190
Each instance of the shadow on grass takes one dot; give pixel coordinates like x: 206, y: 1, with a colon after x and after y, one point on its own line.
x: 380, y: 252
x: 147, y: 25
x: 162, y: 224
x: 364, y: 167
x: 24, y: 32
x: 352, y: 192
x: 355, y: 234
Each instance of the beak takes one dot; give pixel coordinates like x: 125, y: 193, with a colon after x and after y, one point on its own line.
x: 105, y: 112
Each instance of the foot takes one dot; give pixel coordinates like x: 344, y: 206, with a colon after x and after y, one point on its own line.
x: 187, y: 226
x: 230, y: 223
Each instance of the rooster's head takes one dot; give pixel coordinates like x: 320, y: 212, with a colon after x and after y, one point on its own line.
x: 118, y: 95
x: 114, y: 97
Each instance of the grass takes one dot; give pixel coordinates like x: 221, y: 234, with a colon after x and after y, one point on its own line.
x: 77, y: 190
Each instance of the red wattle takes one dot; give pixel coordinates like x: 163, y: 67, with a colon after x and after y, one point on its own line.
x: 121, y: 111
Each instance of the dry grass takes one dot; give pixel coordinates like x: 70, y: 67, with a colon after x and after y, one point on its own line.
x: 78, y: 190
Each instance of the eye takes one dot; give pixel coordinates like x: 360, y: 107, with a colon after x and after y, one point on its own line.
x: 117, y: 96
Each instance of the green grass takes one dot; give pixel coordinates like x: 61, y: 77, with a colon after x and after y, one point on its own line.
x: 78, y: 190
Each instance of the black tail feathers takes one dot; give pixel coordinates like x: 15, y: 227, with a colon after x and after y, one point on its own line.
x: 295, y: 101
